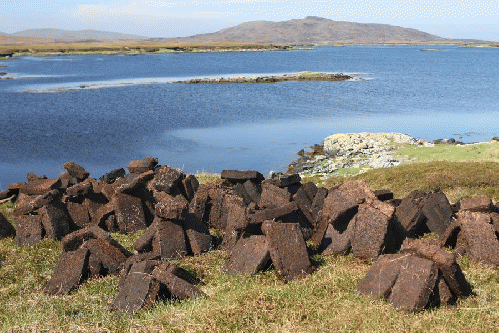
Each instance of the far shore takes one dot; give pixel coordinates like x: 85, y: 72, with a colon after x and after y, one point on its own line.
x: 140, y: 47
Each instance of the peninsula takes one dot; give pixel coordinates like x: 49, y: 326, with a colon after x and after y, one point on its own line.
x: 301, y: 76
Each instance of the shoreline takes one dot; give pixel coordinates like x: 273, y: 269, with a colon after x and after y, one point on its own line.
x: 347, y: 154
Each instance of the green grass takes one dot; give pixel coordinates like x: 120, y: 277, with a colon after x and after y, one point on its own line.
x: 443, y: 152
x: 456, y: 179
x: 324, y: 301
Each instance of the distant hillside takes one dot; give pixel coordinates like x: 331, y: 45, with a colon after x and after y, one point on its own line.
x: 79, y: 35
x: 313, y: 30
x: 14, y: 40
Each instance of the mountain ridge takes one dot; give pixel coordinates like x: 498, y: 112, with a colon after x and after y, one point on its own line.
x: 313, y: 29
x: 310, y: 30
x: 76, y: 35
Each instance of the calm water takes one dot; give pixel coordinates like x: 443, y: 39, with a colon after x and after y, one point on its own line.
x: 129, y: 110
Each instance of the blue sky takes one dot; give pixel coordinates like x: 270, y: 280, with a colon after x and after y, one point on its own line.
x: 172, y: 18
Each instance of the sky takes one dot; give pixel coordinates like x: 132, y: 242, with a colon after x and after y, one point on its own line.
x: 172, y: 18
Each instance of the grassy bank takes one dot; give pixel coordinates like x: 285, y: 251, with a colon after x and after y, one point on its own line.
x: 136, y: 48
x: 324, y: 301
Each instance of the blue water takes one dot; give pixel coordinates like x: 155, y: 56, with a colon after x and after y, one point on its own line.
x: 130, y: 110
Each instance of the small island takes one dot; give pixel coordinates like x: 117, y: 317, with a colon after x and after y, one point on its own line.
x: 301, y: 76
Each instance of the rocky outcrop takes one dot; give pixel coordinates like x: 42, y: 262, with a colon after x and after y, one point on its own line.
x: 302, y: 76
x: 354, y: 150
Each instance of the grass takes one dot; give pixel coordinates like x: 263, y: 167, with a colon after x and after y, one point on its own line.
x: 133, y: 47
x: 324, y: 301
x: 442, y: 152
x: 457, y: 180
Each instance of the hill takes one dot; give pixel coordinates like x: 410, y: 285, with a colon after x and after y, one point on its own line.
x: 75, y: 35
x: 314, y: 29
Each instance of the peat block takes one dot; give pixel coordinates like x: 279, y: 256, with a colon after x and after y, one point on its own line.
x: 111, y: 176
x: 236, y: 176
x: 383, y: 195
x: 29, y: 230
x: 55, y: 220
x: 133, y: 182
x: 40, y: 186
x: 438, y: 212
x: 172, y: 208
x: 179, y: 287
x: 140, y: 166
x: 79, y: 214
x: 198, y: 235
x: 382, y: 276
x: 482, y: 204
x: 248, y: 256
x: 288, y: 250
x: 338, y: 209
x: 111, y: 258
x: 357, y: 191
x: 335, y: 241
x: 421, y: 275
x: 371, y: 226
x: 410, y: 212
x: 288, y: 180
x: 169, y: 180
x: 273, y: 196
x: 415, y: 284
x: 6, y: 229
x: 129, y: 213
x: 139, y: 288
x: 76, y: 239
x: 81, y: 189
x: 76, y: 171
x: 69, y: 271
